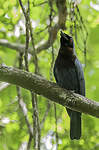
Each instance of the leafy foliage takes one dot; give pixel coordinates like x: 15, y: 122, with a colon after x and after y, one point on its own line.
x: 13, y: 128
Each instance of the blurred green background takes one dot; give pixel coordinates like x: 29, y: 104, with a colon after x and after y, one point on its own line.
x: 13, y: 129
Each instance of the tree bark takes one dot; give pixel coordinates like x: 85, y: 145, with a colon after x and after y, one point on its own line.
x: 49, y: 90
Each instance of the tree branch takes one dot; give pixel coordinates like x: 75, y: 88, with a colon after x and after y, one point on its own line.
x: 24, y: 111
x: 15, y: 46
x: 52, y: 31
x: 49, y: 90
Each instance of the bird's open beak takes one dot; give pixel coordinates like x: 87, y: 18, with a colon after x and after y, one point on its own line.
x: 64, y: 35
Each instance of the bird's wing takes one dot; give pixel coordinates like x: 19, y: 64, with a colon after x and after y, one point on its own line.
x: 71, y: 78
x: 80, y: 74
x: 66, y: 78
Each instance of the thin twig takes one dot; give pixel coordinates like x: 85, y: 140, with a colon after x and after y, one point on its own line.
x: 51, y: 69
x: 21, y: 103
x: 34, y: 50
x: 27, y: 43
x: 42, y: 30
x: 36, y: 123
x: 26, y: 14
x: 24, y: 110
x: 56, y: 133
x: 29, y: 142
x: 23, y: 9
x: 45, y: 114
x: 77, y: 24
x: 42, y: 3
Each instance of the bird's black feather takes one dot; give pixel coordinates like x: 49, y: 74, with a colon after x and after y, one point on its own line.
x: 69, y: 75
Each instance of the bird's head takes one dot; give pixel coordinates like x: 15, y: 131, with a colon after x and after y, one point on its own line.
x: 67, y: 43
x: 66, y: 40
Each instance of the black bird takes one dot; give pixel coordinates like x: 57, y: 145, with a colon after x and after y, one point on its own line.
x: 68, y: 73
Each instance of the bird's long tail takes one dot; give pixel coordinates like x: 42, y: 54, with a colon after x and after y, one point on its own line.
x: 75, y: 124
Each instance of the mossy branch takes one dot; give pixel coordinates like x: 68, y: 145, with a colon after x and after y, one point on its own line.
x: 49, y: 90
